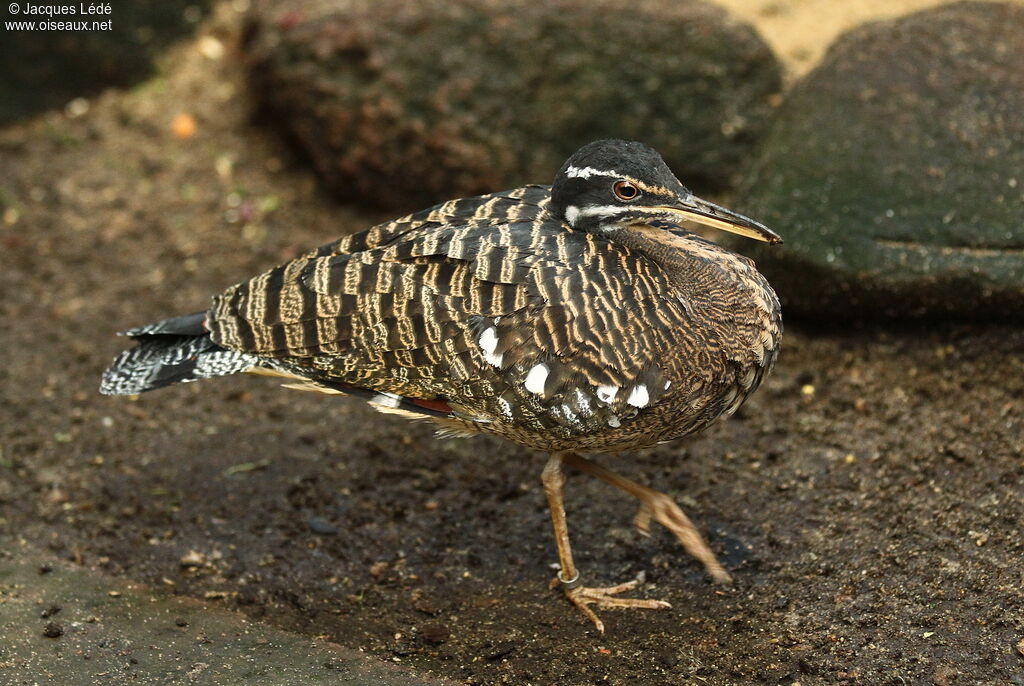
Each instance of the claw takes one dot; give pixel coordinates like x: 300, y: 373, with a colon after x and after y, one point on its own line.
x: 605, y: 599
x: 642, y: 520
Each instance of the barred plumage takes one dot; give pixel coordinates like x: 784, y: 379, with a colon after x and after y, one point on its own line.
x: 574, y: 317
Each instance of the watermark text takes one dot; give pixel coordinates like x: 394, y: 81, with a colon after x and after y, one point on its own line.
x: 81, y: 16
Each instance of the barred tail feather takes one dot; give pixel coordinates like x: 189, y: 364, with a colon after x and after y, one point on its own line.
x: 175, y: 350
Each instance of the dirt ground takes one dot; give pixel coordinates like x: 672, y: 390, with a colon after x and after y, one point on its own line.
x: 868, y: 500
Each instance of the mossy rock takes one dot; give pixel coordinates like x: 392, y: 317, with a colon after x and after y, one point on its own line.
x: 895, y: 171
x: 401, y: 104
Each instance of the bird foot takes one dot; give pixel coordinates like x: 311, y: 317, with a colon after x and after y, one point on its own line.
x: 663, y: 509
x: 604, y: 598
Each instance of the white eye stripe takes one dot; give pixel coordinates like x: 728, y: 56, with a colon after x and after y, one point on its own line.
x: 573, y: 213
x: 603, y: 210
x: 587, y: 172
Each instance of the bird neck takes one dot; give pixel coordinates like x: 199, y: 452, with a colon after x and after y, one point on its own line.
x: 696, y: 267
x: 675, y: 251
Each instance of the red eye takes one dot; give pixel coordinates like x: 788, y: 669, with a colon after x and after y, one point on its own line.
x: 624, y: 190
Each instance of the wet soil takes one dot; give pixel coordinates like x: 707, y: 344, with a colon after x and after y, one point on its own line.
x: 868, y: 500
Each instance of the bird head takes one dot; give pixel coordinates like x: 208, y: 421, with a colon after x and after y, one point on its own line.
x: 610, y: 184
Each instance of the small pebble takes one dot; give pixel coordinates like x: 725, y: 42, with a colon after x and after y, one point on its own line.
x: 403, y: 647
x: 500, y: 650
x: 211, y: 48
x: 50, y: 611
x: 76, y: 108
x: 180, y: 622
x: 321, y: 526
x: 192, y: 559
x: 435, y: 632
x: 53, y: 630
x: 183, y: 126
x: 944, y: 676
x: 225, y: 166
x: 427, y: 605
x: 668, y: 659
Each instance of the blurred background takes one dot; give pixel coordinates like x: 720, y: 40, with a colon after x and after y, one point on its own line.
x: 868, y: 499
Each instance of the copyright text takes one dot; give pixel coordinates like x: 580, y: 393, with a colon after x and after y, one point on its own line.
x: 58, y: 17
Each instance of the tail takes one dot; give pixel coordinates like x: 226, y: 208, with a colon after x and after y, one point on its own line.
x: 175, y: 350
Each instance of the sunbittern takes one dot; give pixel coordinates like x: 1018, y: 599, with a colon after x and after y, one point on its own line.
x: 580, y: 316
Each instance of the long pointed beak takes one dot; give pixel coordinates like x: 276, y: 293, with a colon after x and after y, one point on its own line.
x: 692, y: 208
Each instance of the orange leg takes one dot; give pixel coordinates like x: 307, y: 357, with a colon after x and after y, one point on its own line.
x: 568, y: 577
x: 657, y: 506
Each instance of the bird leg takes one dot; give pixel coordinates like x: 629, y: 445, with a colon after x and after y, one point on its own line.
x: 568, y: 576
x: 661, y: 508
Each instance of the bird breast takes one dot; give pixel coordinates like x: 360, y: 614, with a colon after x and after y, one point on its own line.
x: 726, y: 332
x: 679, y: 334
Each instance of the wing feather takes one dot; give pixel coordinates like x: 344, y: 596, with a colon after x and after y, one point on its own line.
x: 401, y: 308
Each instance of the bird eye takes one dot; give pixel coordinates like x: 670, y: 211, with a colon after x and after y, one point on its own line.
x: 624, y: 190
